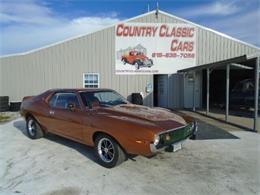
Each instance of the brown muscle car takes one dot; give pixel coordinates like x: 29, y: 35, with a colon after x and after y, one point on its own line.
x: 105, y: 120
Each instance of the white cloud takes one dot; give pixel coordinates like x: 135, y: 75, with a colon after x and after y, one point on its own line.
x: 28, y: 11
x: 245, y: 27
x: 239, y: 19
x: 221, y: 8
x: 31, y: 25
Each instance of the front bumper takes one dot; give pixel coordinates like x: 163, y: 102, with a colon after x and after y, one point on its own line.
x: 174, y: 136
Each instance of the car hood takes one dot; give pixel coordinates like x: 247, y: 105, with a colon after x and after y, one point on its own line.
x: 163, y: 119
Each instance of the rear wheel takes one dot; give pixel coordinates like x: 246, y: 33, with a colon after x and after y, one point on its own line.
x: 108, y: 152
x: 4, y: 103
x: 34, y: 130
x: 137, y: 65
x: 124, y: 61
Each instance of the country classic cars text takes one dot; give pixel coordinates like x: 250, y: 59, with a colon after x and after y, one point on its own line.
x: 161, y: 31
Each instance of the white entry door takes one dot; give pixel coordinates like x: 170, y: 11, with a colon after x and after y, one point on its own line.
x: 188, y: 90
x: 162, y: 86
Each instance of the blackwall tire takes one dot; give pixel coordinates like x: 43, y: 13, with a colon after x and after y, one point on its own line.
x: 4, y: 103
x: 4, y: 108
x: 15, y: 106
x: 108, y: 152
x: 4, y: 99
x: 33, y: 128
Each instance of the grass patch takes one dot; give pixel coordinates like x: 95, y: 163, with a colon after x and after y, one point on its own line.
x: 4, y: 118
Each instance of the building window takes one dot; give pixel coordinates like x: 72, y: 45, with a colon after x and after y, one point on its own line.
x: 91, y: 80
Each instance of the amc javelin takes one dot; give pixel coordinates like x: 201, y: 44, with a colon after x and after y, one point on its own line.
x: 105, y: 120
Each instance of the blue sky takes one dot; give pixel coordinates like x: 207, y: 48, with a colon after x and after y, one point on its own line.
x: 30, y: 24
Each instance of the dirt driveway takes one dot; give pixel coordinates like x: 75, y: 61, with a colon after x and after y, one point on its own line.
x: 217, y: 163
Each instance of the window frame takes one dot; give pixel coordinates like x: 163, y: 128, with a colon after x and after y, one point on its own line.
x: 57, y: 96
x: 93, y: 84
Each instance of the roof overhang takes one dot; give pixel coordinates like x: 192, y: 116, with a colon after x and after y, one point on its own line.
x: 232, y: 61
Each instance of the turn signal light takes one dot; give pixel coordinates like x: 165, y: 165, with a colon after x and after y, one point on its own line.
x: 167, y: 137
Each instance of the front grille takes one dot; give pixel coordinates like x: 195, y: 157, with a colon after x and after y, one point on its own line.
x: 174, y: 136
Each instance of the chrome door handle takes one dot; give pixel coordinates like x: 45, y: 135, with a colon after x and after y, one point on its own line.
x: 51, y: 112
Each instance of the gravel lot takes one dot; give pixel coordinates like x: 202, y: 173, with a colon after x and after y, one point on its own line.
x: 217, y: 163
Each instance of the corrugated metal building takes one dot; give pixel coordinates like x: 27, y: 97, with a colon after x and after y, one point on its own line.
x: 63, y: 65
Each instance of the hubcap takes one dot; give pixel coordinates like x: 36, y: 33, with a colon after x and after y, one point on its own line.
x: 106, y: 150
x: 31, y: 127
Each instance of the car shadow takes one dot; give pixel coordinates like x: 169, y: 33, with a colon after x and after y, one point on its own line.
x: 81, y: 148
x: 207, y: 131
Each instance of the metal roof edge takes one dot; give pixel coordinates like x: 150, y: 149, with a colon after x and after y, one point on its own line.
x: 254, y: 55
x: 215, y: 64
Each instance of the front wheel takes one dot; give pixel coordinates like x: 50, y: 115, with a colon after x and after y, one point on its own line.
x: 137, y: 65
x: 108, y: 152
x: 34, y: 130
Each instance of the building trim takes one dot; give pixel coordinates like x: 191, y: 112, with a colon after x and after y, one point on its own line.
x: 239, y: 59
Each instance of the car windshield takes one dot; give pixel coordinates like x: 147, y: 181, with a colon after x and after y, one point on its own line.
x: 102, y: 98
x: 243, y: 86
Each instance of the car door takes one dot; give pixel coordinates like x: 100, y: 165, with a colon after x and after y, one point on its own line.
x: 64, y: 121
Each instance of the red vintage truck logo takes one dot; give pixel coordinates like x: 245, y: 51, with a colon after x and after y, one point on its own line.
x: 138, y: 59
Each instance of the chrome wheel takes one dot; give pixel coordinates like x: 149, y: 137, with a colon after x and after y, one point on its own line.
x: 136, y: 65
x: 31, y: 127
x: 106, y: 150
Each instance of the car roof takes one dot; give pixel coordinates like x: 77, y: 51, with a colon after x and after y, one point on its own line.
x: 73, y: 90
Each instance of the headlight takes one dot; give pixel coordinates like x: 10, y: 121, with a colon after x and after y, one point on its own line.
x: 156, y: 139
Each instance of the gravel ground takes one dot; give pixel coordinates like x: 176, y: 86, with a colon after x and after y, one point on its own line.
x: 217, y: 163
x: 10, y: 116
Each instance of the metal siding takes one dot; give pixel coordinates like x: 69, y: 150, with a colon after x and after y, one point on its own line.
x: 63, y: 65
x: 1, y: 79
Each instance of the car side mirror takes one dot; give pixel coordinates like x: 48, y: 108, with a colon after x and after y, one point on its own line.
x: 71, y: 107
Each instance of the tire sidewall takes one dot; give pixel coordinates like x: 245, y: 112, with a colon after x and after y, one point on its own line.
x: 38, y: 131
x: 137, y: 65
x: 113, y: 163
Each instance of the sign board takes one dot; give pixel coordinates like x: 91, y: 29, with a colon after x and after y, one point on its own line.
x: 154, y: 48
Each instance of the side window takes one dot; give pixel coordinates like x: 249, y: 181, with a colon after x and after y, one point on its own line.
x: 61, y: 100
x: 52, y: 101
x: 91, y: 80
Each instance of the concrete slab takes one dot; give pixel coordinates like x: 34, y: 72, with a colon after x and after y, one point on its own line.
x: 55, y: 166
